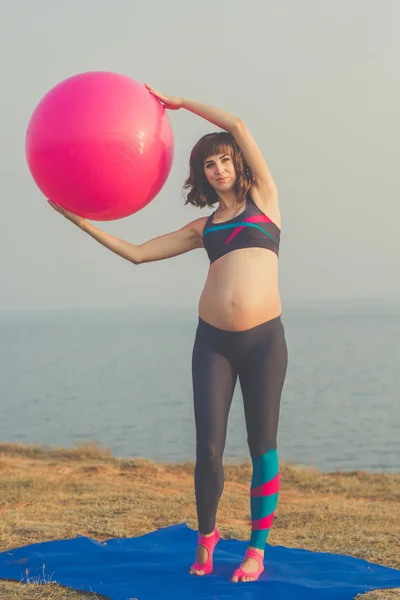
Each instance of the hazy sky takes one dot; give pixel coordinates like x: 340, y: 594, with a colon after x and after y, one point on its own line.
x: 316, y: 81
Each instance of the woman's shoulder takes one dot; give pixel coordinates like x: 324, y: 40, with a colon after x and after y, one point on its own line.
x: 198, y: 224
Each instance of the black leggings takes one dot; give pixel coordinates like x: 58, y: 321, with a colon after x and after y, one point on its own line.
x: 259, y: 357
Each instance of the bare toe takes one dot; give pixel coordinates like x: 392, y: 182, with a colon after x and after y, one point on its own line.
x: 193, y: 572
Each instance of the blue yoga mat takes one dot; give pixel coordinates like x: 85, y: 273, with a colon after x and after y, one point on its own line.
x: 155, y: 566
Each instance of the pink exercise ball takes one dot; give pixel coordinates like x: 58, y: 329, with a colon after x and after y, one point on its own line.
x: 100, y: 145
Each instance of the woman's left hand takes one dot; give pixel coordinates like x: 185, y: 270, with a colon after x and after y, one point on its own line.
x: 171, y: 102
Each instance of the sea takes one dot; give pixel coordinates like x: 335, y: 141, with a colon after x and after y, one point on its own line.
x: 123, y: 379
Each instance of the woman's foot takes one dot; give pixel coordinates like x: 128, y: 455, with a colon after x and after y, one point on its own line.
x: 205, y: 549
x: 202, y: 555
x: 251, y: 567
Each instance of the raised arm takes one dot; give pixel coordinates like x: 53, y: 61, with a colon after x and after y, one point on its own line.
x: 165, y: 246
x: 252, y: 154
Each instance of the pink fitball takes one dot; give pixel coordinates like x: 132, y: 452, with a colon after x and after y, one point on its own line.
x: 100, y: 145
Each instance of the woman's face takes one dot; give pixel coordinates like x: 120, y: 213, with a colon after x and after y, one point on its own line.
x: 220, y: 171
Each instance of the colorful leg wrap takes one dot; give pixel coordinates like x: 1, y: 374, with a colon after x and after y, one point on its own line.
x: 263, y: 496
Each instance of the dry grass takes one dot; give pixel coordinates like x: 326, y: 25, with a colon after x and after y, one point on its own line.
x: 48, y: 494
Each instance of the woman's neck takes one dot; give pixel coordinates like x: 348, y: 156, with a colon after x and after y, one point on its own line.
x: 228, y: 201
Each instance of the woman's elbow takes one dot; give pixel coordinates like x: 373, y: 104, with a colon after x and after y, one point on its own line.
x: 237, y: 125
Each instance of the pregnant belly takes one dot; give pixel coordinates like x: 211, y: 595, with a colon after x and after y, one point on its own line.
x: 241, y: 290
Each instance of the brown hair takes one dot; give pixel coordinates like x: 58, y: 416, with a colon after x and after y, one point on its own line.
x: 201, y: 193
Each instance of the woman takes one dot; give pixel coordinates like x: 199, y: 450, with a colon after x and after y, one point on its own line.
x: 240, y: 333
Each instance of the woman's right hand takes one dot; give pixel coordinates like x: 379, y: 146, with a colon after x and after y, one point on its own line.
x: 75, y: 219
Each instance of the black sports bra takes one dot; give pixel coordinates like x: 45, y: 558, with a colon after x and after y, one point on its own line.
x: 250, y: 229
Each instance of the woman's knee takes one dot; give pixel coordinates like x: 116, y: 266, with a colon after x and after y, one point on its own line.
x: 209, y: 458
x: 262, y: 436
x: 261, y: 447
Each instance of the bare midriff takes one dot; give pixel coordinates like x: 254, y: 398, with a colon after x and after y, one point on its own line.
x: 241, y: 290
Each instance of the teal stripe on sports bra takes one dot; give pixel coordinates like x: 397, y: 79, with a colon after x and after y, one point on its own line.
x: 235, y: 225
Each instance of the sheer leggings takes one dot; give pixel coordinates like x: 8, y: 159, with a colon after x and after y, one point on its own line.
x: 258, y: 356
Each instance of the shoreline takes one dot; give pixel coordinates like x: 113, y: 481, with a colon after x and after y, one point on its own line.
x: 92, y: 449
